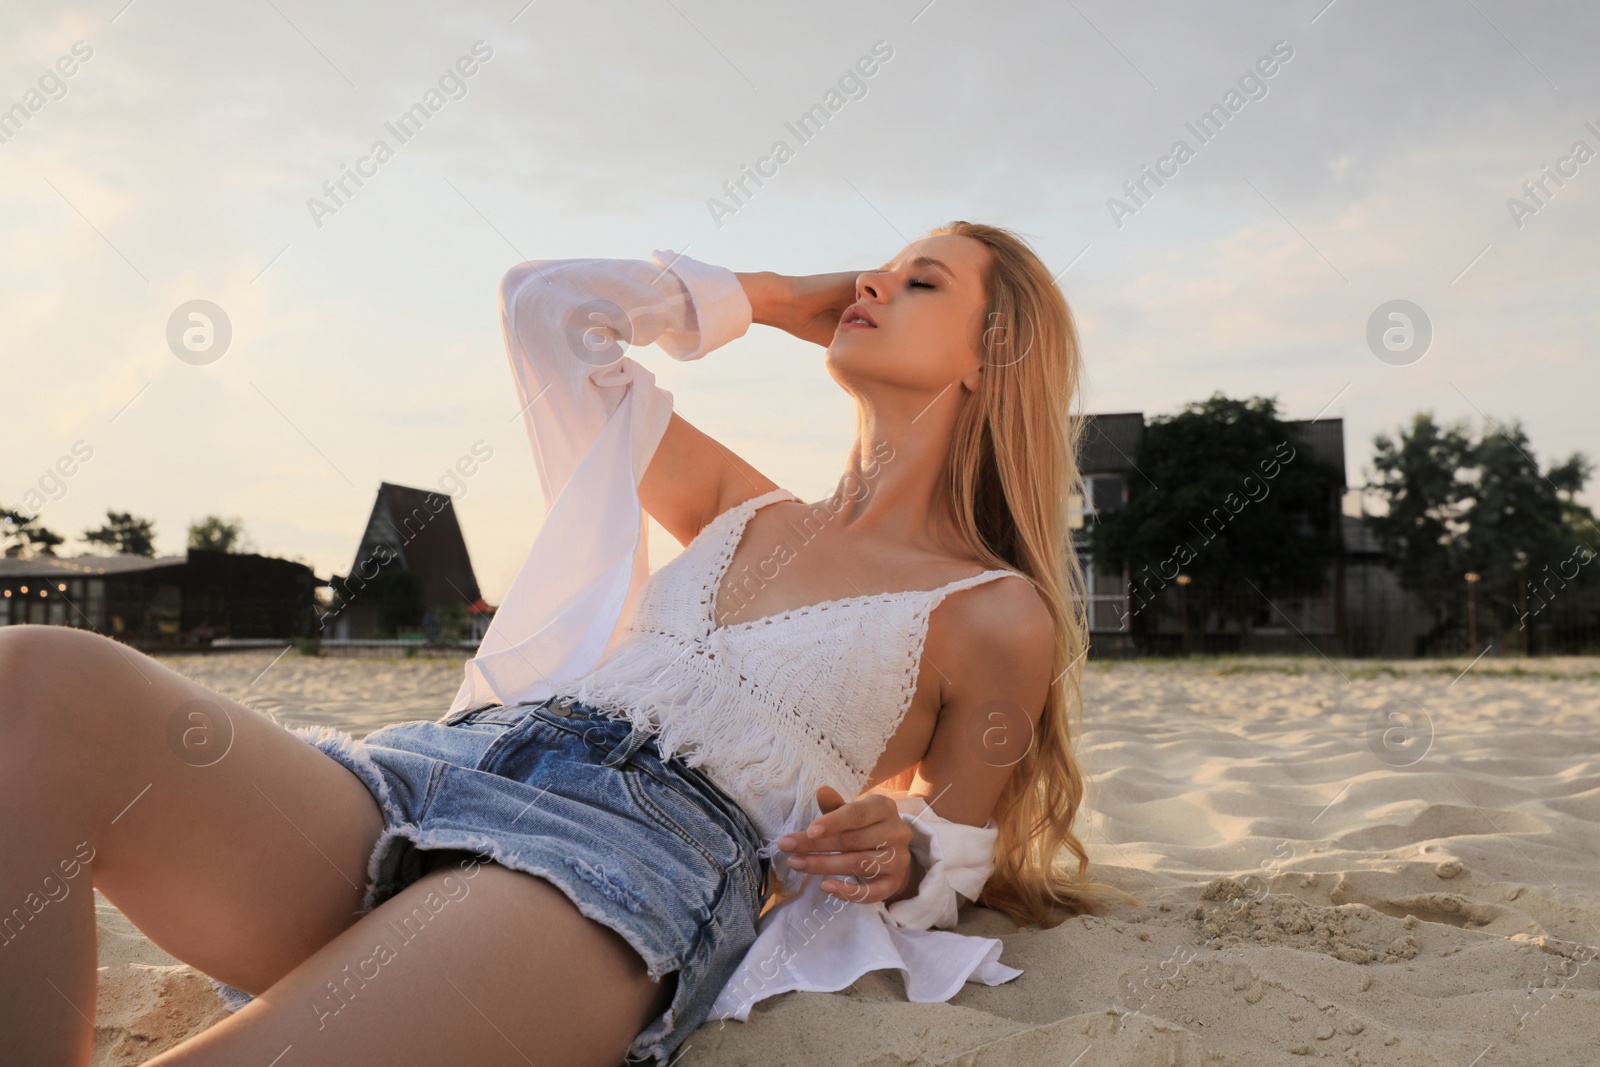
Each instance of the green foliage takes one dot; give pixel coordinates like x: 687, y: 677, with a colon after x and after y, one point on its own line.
x: 23, y: 536
x: 447, y: 624
x: 1458, y: 503
x: 128, y: 535
x: 397, y: 596
x: 1421, y: 476
x: 1228, y: 496
x: 216, y: 534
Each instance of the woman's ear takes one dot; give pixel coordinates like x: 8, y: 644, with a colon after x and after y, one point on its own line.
x: 973, y: 378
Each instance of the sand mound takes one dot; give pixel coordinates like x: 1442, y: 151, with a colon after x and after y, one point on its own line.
x: 147, y: 1001
x: 1345, y: 931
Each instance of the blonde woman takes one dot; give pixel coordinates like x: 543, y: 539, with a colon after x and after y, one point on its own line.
x: 569, y: 867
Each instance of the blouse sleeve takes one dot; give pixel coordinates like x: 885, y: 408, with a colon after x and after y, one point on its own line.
x: 956, y: 860
x: 819, y: 943
x: 594, y: 417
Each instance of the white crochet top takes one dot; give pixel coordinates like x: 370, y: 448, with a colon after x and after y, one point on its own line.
x: 770, y: 708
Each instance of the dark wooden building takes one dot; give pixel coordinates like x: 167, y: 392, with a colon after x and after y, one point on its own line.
x: 411, y: 573
x: 1286, y: 624
x: 162, y: 601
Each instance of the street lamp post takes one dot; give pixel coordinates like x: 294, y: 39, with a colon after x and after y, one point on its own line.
x: 1472, y: 608
x: 1183, y: 608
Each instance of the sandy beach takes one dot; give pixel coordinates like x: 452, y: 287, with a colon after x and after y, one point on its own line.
x: 1354, y: 861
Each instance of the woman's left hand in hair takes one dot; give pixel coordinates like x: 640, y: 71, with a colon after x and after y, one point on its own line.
x: 865, y: 838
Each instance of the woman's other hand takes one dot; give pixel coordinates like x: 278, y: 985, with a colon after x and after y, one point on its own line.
x: 865, y: 838
x: 808, y: 306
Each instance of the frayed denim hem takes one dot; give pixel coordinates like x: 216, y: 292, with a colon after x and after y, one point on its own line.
x: 647, y: 1045
x: 232, y: 999
x: 590, y: 887
x: 352, y: 755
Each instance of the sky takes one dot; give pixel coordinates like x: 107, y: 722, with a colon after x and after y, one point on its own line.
x: 183, y: 158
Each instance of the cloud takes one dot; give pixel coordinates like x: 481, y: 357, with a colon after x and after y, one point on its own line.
x: 1385, y: 147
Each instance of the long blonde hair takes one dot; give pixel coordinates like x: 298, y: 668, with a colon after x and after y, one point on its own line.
x: 1008, y: 478
x: 1011, y: 469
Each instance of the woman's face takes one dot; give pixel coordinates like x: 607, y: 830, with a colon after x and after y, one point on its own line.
x: 926, y: 309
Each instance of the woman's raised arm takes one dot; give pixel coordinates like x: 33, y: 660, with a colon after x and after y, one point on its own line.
x: 567, y: 324
x: 694, y: 478
x: 608, y: 446
x: 807, y: 305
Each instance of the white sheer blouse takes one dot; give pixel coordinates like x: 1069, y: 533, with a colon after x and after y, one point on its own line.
x: 594, y: 417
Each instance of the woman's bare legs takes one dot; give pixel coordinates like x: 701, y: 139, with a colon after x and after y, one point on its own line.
x: 479, y: 965
x: 232, y: 844
x: 242, y: 850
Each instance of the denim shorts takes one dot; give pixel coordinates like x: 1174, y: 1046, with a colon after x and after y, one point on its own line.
x: 651, y: 848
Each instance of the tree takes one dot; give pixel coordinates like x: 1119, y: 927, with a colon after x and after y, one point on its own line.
x: 447, y: 624
x: 128, y: 535
x: 1421, y: 476
x: 1229, y: 496
x: 1458, y: 504
x: 392, y: 594
x: 216, y: 534
x: 1516, y: 515
x: 24, y: 537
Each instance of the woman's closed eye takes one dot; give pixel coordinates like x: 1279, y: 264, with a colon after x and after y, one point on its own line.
x: 922, y: 285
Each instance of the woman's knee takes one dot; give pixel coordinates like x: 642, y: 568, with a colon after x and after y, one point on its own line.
x: 39, y: 663
x: 56, y: 682
x: 34, y: 668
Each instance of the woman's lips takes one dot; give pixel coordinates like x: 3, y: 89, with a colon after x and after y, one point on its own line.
x: 857, y: 311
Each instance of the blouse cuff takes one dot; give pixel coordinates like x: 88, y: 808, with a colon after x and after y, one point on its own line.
x: 721, y: 308
x: 956, y: 860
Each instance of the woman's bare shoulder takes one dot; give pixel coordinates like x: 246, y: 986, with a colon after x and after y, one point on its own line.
x: 1009, y: 605
x: 1003, y: 624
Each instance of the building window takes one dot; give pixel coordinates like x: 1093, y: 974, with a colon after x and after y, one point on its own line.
x: 1078, y: 511
x: 167, y: 609
x: 1108, y: 598
x: 95, y: 603
x: 1107, y: 492
x: 1107, y: 590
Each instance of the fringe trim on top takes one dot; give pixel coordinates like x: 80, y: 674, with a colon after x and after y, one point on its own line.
x: 773, y: 708
x: 699, y: 712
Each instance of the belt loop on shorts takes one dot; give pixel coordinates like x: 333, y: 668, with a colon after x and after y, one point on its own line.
x: 626, y: 748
